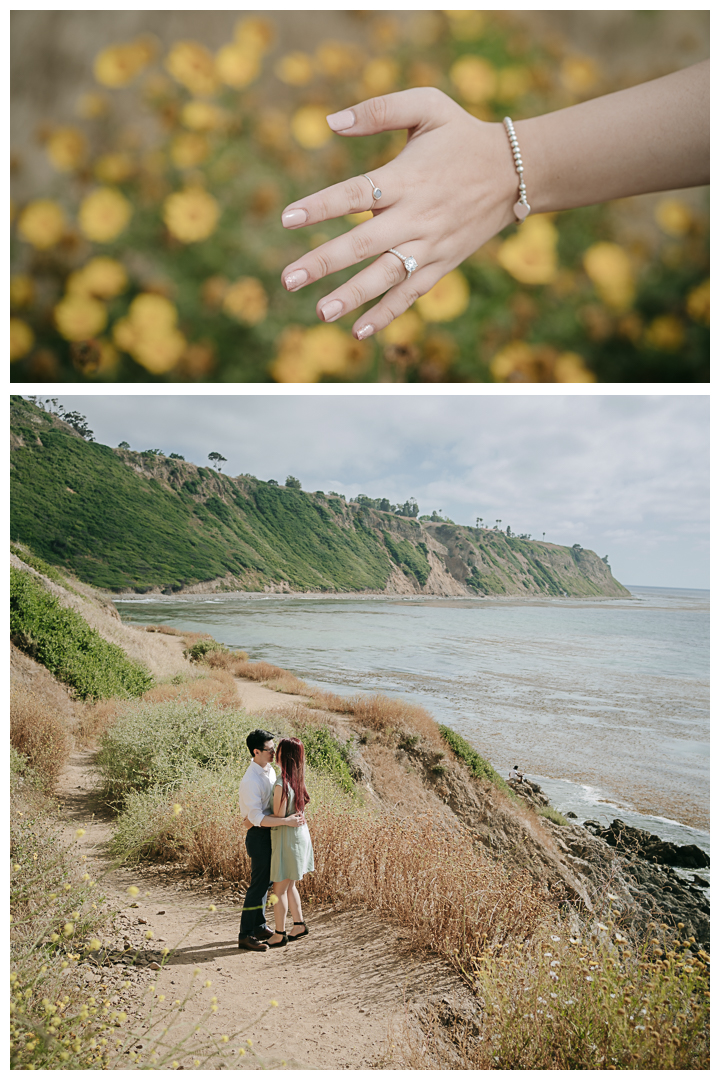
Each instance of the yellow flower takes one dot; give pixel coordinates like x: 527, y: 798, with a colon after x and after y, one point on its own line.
x: 193, y: 66
x: 95, y: 944
x: 474, y: 78
x: 447, y: 300
x: 119, y: 64
x: 466, y: 25
x: 310, y: 127
x: 150, y: 335
x: 201, y: 116
x: 666, y: 332
x: 673, y: 217
x: 68, y: 929
x: 610, y: 270
x: 22, y: 339
x: 255, y: 35
x: 133, y: 890
x: 405, y: 330
x: 78, y: 318
x: 698, y: 303
x: 90, y: 106
x: 307, y: 355
x: 189, y: 149
x: 513, y: 82
x: 104, y: 214
x: 66, y: 148
x: 246, y: 300
x: 237, y: 66
x: 176, y: 810
x: 336, y: 59
x: 42, y: 223
x: 102, y: 276
x: 114, y: 168
x: 380, y: 76
x: 191, y: 215
x: 22, y: 290
x: 579, y: 74
x: 530, y: 254
x: 295, y: 69
x: 570, y: 367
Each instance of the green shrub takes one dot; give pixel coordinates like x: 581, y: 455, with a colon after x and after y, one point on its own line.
x: 200, y: 649
x: 324, y: 753
x: 164, y: 744
x: 69, y: 648
x: 477, y: 765
x: 40, y: 565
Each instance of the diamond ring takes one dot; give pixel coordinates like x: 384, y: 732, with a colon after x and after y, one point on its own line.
x: 376, y: 193
x: 407, y: 260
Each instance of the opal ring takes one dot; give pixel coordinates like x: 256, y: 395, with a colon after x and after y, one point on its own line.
x: 407, y: 260
x: 376, y: 192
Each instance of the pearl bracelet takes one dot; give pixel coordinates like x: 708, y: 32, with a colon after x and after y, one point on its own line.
x: 522, y: 206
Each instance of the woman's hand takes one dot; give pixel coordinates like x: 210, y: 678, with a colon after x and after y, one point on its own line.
x: 450, y: 190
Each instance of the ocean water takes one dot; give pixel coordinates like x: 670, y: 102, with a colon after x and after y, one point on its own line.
x: 605, y: 703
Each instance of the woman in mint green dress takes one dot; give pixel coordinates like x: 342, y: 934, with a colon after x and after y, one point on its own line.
x: 292, y: 855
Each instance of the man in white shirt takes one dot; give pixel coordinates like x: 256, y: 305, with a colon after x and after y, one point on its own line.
x: 515, y: 774
x: 256, y: 803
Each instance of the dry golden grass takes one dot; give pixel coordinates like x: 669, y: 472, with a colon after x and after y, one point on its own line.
x: 220, y: 687
x: 376, y: 711
x: 170, y: 630
x: 39, y: 733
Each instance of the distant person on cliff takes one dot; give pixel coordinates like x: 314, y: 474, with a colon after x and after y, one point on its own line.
x: 292, y: 850
x: 256, y: 800
x: 458, y: 181
x: 515, y: 774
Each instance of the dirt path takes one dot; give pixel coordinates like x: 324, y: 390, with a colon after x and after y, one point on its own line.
x: 341, y: 992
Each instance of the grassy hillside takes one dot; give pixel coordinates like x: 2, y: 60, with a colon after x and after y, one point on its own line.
x: 123, y: 520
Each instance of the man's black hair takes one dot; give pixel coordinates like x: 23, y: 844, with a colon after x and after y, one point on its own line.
x: 256, y: 740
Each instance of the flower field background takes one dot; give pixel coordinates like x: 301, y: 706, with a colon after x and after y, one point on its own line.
x: 154, y: 250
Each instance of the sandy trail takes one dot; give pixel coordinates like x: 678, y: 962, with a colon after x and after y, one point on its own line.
x: 341, y: 992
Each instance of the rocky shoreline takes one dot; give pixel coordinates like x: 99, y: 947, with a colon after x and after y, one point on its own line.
x: 636, y: 866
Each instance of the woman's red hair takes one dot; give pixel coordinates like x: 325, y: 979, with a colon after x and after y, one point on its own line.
x: 291, y: 753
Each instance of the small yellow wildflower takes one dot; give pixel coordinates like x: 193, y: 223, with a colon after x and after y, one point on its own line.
x: 530, y: 254
x: 176, y: 810
x: 237, y: 66
x: 246, y: 300
x: 447, y: 300
x: 42, y: 223
x: 191, y: 215
x: 310, y: 128
x: 133, y: 890
x: 66, y: 148
x: 104, y: 214
x: 295, y: 69
x: 474, y: 78
x: 22, y: 290
x: 610, y: 270
x: 79, y: 318
x: 22, y: 340
x: 192, y: 65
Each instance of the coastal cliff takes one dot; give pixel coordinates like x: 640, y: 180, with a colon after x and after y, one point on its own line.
x: 145, y: 522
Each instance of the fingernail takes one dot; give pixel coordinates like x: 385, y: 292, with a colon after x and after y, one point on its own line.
x: 332, y: 310
x: 294, y: 217
x: 364, y: 331
x: 341, y: 121
x: 296, y: 279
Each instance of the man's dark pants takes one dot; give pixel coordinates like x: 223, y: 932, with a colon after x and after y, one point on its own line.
x: 258, y: 844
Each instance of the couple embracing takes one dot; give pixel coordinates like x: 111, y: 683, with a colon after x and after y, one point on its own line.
x: 277, y: 841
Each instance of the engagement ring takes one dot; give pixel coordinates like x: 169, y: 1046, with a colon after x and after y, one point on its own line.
x: 407, y: 260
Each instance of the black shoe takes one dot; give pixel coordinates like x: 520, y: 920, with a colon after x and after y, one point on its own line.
x: 262, y: 932
x: 278, y: 944
x: 251, y: 943
x: 291, y: 937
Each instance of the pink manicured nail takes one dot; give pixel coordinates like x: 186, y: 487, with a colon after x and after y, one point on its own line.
x: 332, y: 310
x: 341, y: 121
x: 296, y: 279
x: 294, y: 217
x: 364, y: 331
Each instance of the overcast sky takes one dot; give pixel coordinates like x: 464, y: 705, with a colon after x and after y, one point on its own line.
x: 627, y: 476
